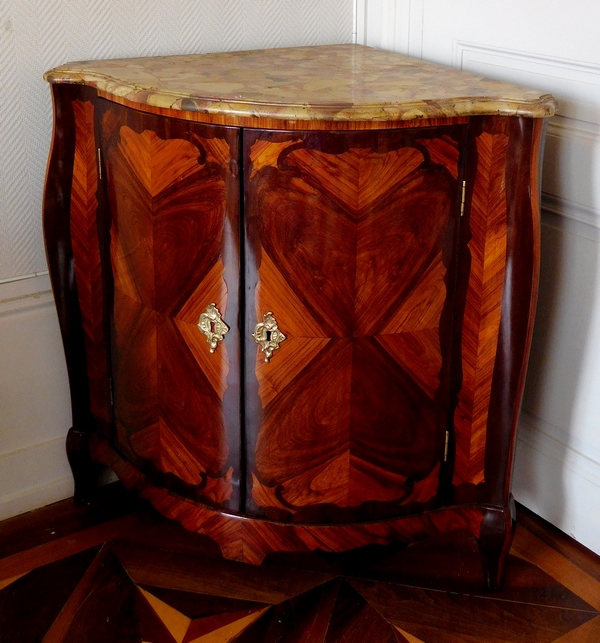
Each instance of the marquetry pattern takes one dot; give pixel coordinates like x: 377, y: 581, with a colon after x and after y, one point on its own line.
x: 168, y: 202
x: 251, y: 541
x: 352, y: 265
x: 86, y: 255
x: 150, y: 582
x: 488, y: 226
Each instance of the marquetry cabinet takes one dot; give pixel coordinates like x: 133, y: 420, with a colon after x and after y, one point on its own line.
x: 296, y: 290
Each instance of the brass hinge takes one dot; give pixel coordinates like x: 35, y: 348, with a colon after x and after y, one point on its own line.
x: 462, y: 198
x: 99, y: 165
x: 446, y: 446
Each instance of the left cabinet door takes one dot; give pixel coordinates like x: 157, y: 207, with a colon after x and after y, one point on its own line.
x: 172, y: 195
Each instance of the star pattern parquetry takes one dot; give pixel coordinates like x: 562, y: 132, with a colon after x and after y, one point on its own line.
x: 131, y: 592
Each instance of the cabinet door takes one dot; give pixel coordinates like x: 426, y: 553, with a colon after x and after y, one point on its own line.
x: 351, y: 245
x: 174, y: 250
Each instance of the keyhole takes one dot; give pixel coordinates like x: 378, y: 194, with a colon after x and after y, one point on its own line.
x: 212, y: 327
x: 268, y: 335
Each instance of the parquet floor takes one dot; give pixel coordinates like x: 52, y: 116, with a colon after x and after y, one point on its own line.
x: 117, y: 572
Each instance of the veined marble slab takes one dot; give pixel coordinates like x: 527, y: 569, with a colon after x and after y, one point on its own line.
x: 331, y: 82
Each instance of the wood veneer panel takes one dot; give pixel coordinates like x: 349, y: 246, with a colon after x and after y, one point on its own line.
x: 108, y: 611
x: 187, y: 572
x: 519, y: 297
x: 355, y: 620
x: 453, y: 563
x: 86, y: 255
x: 44, y: 592
x: 481, y: 322
x: 587, y: 633
x: 59, y: 247
x: 497, y: 292
x: 352, y: 243
x: 174, y: 250
x: 439, y: 616
x: 250, y: 540
x: 306, y: 609
x: 558, y: 567
x: 301, y: 619
x: 559, y: 541
x: 59, y: 629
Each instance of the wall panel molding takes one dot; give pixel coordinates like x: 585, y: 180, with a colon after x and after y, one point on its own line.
x: 23, y: 286
x: 395, y: 25
x: 34, y: 476
x: 544, y: 461
x: 34, y: 399
x: 572, y: 170
x: 581, y: 458
x: 384, y: 24
x: 570, y: 210
x: 572, y: 159
x: 575, y: 83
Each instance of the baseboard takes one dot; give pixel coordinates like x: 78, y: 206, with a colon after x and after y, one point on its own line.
x: 34, y: 399
x: 34, y: 476
x: 36, y: 497
x: 558, y: 482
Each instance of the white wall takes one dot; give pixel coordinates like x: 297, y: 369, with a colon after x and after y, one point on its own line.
x: 36, y: 35
x: 552, y: 46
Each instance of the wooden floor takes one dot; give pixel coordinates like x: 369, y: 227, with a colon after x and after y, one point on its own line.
x: 117, y: 572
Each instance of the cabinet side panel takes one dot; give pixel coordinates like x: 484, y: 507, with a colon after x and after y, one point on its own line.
x: 174, y: 251
x: 59, y: 248
x: 352, y: 240
x: 518, y: 300
x: 86, y: 254
x: 487, y: 221
x: 501, y: 239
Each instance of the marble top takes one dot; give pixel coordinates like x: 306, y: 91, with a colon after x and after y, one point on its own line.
x: 331, y: 82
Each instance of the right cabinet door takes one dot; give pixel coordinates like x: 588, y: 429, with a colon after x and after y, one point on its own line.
x: 351, y: 245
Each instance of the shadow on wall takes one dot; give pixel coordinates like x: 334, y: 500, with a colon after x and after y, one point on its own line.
x: 562, y: 334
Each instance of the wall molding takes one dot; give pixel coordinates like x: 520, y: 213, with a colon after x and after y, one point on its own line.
x: 36, y: 497
x: 30, y: 477
x: 575, y: 83
x: 557, y: 480
x: 24, y: 286
x: 34, y: 398
x: 570, y: 226
x: 571, y: 210
x: 396, y: 25
x: 572, y: 161
x: 571, y: 169
x: 26, y: 303
x: 580, y: 458
x: 359, y: 30
x: 562, y: 127
x: 460, y: 46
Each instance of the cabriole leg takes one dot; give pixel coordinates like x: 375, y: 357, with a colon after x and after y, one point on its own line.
x: 495, y: 539
x: 85, y: 471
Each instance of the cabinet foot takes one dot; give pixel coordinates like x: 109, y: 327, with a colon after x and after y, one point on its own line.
x: 495, y: 539
x: 85, y: 471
